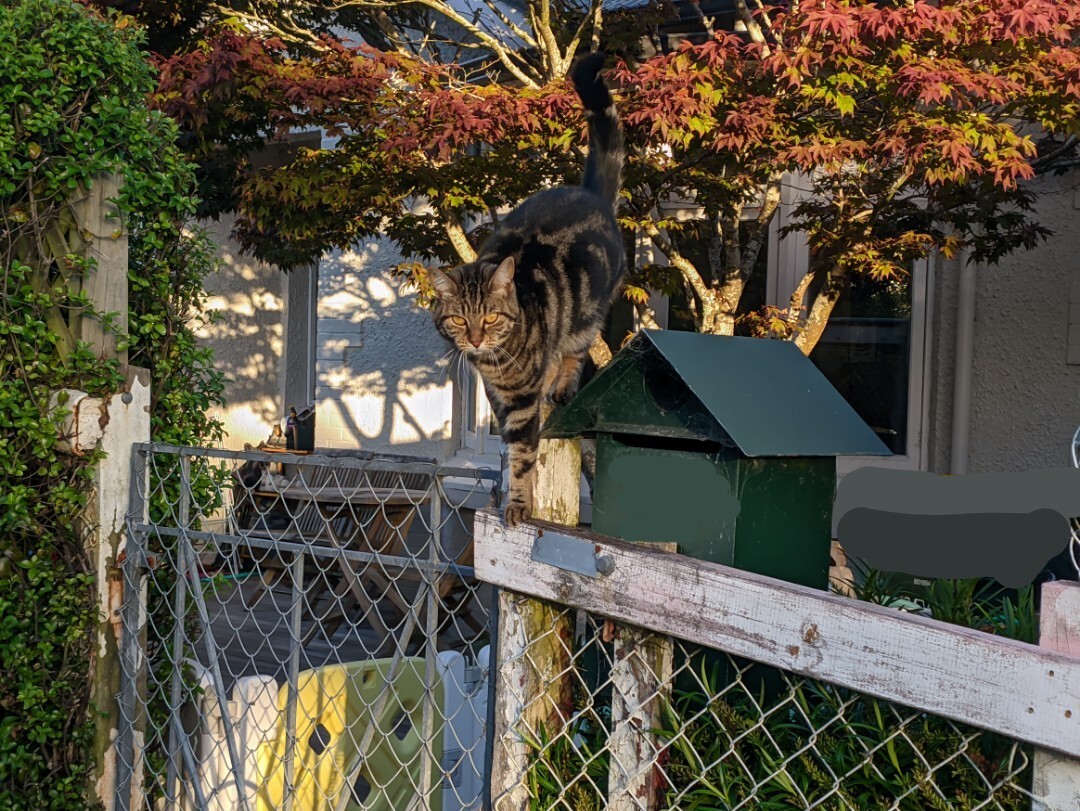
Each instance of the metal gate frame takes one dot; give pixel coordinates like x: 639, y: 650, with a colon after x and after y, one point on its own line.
x: 164, y: 482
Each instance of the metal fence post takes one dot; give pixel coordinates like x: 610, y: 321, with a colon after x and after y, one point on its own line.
x: 431, y: 581
x: 1057, y: 778
x: 534, y: 643
x: 131, y: 711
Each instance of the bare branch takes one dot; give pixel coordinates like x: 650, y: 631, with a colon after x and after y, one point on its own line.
x: 458, y: 239
x: 599, y: 351
x: 746, y: 17
x: 598, y: 23
x: 795, y: 303
x: 706, y: 22
x: 509, y: 58
x: 504, y: 54
x: 763, y: 12
x: 595, y: 18
x: 526, y: 37
x: 732, y: 249
x: 550, y: 45
x: 679, y: 262
x: 294, y: 35
x: 1044, y: 162
x: 818, y: 316
x: 645, y: 315
x: 760, y: 228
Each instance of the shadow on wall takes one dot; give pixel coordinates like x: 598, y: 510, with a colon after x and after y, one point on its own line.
x: 384, y: 380
x: 248, y: 339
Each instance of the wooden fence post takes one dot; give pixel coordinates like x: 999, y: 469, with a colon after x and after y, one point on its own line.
x: 103, y: 238
x: 534, y: 642
x: 641, y: 677
x: 641, y: 683
x: 128, y: 421
x: 96, y: 230
x: 1057, y: 777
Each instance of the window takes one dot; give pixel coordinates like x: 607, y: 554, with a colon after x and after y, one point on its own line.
x: 874, y: 351
x: 479, y: 428
x: 874, y: 348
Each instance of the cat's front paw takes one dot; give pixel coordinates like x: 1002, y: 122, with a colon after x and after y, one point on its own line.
x: 516, y: 512
x: 561, y: 395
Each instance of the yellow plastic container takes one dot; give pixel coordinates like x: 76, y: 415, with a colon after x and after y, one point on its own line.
x: 335, y: 705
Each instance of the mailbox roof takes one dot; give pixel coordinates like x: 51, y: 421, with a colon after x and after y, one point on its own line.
x: 763, y: 397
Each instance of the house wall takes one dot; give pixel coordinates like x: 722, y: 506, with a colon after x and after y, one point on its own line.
x: 382, y: 380
x: 248, y: 339
x: 1025, y: 400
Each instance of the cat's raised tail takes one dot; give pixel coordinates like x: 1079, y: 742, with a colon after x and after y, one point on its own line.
x: 604, y: 165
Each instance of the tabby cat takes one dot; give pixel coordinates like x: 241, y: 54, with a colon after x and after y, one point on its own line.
x: 527, y: 310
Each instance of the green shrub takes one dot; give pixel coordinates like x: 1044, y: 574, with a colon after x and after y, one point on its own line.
x: 72, y: 108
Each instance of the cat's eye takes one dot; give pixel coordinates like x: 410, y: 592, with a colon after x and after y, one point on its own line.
x: 490, y: 319
x: 457, y: 320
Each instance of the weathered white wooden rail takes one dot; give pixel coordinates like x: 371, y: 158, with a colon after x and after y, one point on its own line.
x: 1025, y: 692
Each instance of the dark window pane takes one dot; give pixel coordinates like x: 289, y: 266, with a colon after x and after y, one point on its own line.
x: 865, y: 352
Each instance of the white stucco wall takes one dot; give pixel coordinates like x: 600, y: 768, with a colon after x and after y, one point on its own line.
x: 248, y: 340
x: 381, y: 377
x: 1025, y: 402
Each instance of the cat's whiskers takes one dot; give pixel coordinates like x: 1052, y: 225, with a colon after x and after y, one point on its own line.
x: 450, y: 365
x: 498, y: 364
x: 446, y: 372
x: 462, y: 368
x: 509, y: 357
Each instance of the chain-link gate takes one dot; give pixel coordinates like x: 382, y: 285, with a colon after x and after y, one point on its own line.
x: 302, y: 632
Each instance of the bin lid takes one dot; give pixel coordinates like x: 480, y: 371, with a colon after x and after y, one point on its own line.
x: 760, y: 396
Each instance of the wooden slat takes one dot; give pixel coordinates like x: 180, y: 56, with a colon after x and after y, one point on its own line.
x: 641, y: 685
x: 990, y: 682
x: 106, y: 284
x: 1057, y: 779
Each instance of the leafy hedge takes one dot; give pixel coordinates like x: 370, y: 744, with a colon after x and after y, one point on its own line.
x: 72, y: 107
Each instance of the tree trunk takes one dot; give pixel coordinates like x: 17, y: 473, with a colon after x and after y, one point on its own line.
x: 457, y: 237
x: 723, y: 323
x: 818, y: 317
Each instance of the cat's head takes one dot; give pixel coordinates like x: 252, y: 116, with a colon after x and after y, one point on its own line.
x: 476, y: 305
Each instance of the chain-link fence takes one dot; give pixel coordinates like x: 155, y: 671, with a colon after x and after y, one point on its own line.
x: 890, y: 710
x: 713, y: 731
x: 302, y: 632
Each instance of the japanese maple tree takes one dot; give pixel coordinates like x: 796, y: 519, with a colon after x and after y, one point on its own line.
x: 907, y: 128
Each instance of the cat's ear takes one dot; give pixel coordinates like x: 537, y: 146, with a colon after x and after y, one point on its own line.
x: 502, y: 280
x: 443, y: 284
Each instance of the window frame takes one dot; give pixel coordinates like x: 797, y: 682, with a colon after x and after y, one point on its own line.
x: 476, y: 408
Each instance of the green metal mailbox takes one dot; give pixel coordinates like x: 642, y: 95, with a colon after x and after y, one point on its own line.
x: 724, y: 445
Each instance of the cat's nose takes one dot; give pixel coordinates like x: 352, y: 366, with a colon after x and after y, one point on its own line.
x: 476, y: 340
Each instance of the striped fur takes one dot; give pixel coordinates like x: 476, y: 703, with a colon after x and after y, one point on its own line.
x: 527, y: 310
